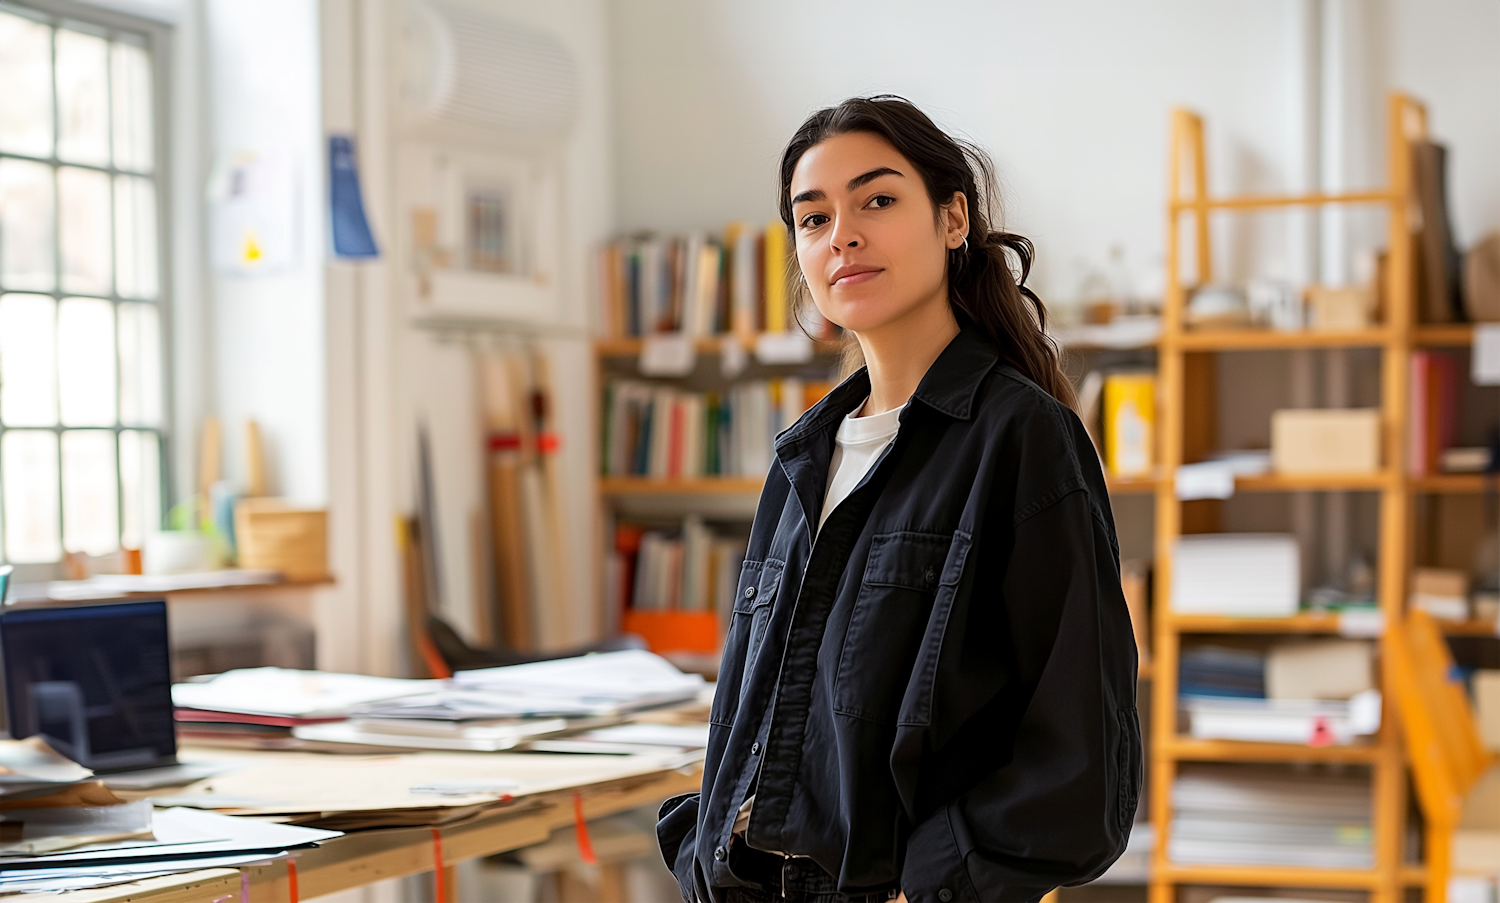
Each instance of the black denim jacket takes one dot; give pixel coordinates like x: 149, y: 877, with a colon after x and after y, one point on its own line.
x: 939, y: 692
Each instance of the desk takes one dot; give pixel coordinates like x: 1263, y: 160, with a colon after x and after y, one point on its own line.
x: 367, y: 857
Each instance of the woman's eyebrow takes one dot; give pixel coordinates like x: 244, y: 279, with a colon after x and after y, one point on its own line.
x: 871, y: 176
x: 812, y: 194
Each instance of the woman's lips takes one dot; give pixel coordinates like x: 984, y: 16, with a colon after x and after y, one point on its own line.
x: 857, y: 277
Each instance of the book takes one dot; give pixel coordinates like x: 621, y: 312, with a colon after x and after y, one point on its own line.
x: 692, y: 569
x: 777, y: 314
x: 1130, y: 423
x: 1434, y: 387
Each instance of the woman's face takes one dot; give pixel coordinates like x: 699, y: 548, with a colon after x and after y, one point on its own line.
x: 872, y: 250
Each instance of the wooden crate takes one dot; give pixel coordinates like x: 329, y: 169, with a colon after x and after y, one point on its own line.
x: 275, y: 536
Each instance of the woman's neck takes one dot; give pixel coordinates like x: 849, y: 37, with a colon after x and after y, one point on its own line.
x: 899, y: 353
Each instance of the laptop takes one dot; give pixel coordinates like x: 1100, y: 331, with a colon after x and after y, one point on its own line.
x: 95, y: 682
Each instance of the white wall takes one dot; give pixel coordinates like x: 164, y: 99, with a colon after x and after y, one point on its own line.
x: 1072, y: 99
x: 267, y: 359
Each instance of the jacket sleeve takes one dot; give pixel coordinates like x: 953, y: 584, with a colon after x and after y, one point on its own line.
x: 1049, y: 800
x: 676, y: 831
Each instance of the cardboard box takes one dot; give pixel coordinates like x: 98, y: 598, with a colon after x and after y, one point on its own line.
x: 1487, y: 709
x: 1325, y: 440
x: 274, y: 536
x: 1320, y: 669
x: 1441, y: 592
x: 1340, y: 308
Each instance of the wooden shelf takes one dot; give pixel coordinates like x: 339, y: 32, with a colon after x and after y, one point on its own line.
x: 1268, y: 876
x: 1270, y: 339
x: 1276, y: 201
x: 1193, y: 749
x: 1130, y: 485
x: 618, y: 486
x: 1303, y: 622
x: 1320, y: 482
x: 630, y: 346
x: 1449, y: 483
x: 1470, y: 627
x: 1447, y: 335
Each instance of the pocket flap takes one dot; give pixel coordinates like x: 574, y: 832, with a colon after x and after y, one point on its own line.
x: 758, y: 583
x: 910, y: 560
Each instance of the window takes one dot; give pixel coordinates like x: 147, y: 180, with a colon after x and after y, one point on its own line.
x: 81, y: 260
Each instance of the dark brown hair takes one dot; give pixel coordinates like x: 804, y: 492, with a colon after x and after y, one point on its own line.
x: 985, y: 292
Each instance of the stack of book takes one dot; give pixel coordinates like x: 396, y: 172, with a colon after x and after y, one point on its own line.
x: 690, y: 570
x: 659, y: 431
x: 1244, y: 574
x: 1319, y: 693
x: 1263, y: 815
x: 702, y: 285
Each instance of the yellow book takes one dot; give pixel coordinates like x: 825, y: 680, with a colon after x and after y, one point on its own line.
x: 1130, y: 423
x: 777, y: 314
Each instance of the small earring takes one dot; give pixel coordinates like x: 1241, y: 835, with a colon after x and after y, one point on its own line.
x: 966, y: 245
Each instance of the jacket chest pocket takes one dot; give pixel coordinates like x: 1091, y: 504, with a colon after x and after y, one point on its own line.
x: 753, y: 598
x: 903, y: 575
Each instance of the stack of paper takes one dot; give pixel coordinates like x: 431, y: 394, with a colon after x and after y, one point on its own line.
x: 1258, y: 815
x: 1310, y: 721
x: 1244, y: 574
x: 178, y: 840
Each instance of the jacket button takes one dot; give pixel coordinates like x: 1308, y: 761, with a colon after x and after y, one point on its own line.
x: 721, y: 854
x: 945, y: 895
x: 749, y: 592
x: 929, y: 576
x: 755, y: 749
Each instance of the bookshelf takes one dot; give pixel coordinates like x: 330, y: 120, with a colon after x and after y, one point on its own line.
x: 1186, y: 414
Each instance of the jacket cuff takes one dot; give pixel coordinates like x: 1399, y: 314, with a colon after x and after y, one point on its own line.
x: 933, y: 871
x: 676, y: 833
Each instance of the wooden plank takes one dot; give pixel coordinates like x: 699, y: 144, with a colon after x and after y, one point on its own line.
x: 1306, y: 622
x: 1192, y: 749
x: 1447, y: 335
x: 1268, y: 876
x: 1273, y: 201
x: 189, y: 887
x: 1270, y: 339
x: 618, y: 486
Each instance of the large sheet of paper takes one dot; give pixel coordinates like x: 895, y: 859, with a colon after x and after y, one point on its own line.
x: 285, y: 692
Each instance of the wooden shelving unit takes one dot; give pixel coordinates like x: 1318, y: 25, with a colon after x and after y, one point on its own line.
x: 1184, y: 358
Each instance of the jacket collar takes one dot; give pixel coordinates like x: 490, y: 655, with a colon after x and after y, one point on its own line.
x: 948, y: 386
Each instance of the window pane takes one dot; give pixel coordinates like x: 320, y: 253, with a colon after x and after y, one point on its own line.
x: 26, y: 73
x: 90, y: 491
x: 83, y: 202
x: 82, y: 98
x: 86, y: 362
x: 28, y: 360
x: 29, y: 483
x: 135, y: 237
x: 140, y: 365
x: 134, y: 142
x: 140, y: 486
x: 26, y: 260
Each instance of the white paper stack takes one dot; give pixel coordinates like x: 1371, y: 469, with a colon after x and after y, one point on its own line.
x: 1258, y: 815
x: 1243, y: 574
x: 1315, y: 722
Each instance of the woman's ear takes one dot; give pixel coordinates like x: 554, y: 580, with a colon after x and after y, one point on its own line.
x: 955, y: 220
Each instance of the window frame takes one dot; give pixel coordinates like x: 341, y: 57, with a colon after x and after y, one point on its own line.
x: 157, y: 40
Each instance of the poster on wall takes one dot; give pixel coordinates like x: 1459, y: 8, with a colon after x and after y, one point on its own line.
x: 253, y: 225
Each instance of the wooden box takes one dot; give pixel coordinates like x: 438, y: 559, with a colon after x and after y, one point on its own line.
x: 275, y: 536
x: 1326, y: 440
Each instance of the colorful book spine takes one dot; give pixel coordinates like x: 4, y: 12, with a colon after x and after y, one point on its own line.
x: 777, y: 312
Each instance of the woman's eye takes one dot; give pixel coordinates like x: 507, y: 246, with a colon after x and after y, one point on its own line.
x: 881, y: 201
x: 813, y: 220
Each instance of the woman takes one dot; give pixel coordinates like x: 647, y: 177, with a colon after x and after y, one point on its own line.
x: 928, y: 686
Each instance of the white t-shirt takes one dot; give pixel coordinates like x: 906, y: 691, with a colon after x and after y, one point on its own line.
x: 858, y: 444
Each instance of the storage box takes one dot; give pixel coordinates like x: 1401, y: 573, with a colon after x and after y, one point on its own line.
x: 674, y: 631
x: 1326, y: 440
x: 1320, y: 669
x: 1487, y: 708
x: 1247, y: 574
x: 1349, y: 308
x: 1441, y: 592
x: 275, y: 536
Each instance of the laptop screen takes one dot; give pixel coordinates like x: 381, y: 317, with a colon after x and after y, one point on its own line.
x: 95, y: 681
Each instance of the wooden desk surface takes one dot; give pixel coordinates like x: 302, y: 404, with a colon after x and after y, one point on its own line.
x: 366, y: 857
